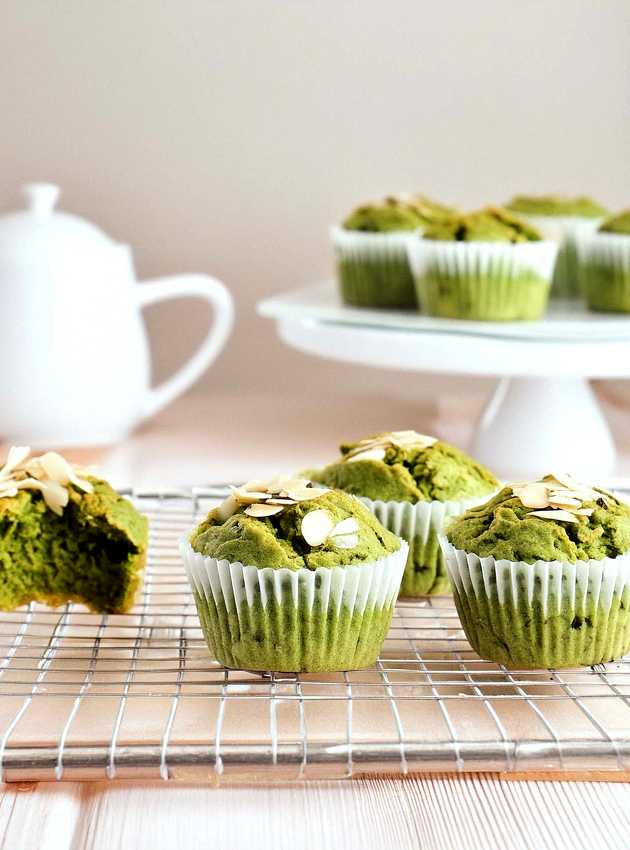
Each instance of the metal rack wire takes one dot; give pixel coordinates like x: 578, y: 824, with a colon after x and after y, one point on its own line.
x: 137, y: 695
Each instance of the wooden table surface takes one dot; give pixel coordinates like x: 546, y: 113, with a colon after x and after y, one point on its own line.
x: 207, y: 439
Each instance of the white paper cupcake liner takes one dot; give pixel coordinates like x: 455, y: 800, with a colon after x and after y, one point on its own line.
x: 294, y: 620
x: 373, y: 269
x: 420, y: 524
x: 604, y: 260
x: 482, y: 280
x: 545, y: 614
x: 567, y: 231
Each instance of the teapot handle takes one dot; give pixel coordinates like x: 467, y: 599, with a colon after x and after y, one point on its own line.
x: 180, y: 286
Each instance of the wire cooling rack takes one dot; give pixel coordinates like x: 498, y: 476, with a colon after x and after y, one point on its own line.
x: 137, y: 695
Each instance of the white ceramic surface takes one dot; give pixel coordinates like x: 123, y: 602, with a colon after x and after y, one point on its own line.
x: 565, y: 320
x: 543, y: 412
x: 73, y: 347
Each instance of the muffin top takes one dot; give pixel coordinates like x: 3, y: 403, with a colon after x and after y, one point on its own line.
x: 619, y: 223
x: 287, y: 523
x: 49, y: 482
x: 428, y: 209
x: 581, y: 205
x: 552, y: 519
x: 405, y: 466
x: 491, y: 224
x: 396, y: 213
x: 48, y: 485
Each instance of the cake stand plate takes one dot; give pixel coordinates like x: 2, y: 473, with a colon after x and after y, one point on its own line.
x: 542, y: 414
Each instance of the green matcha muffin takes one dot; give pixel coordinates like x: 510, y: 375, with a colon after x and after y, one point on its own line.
x: 412, y: 483
x: 293, y: 578
x: 564, y: 220
x: 66, y: 536
x: 541, y: 574
x: 371, y: 250
x: 486, y: 265
x: 604, y: 259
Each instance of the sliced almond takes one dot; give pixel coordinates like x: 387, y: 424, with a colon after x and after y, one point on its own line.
x: 249, y: 497
x: 564, y: 478
x: 15, y: 457
x: 274, y: 501
x: 368, y: 454
x: 584, y: 511
x: 56, y: 468
x: 409, y: 439
x: 54, y: 494
x: 532, y: 495
x: 562, y: 491
x: 49, y: 473
x: 282, y: 483
x: 346, y: 526
x: 226, y: 509
x: 305, y: 494
x: 564, y: 502
x: 345, y: 541
x: 252, y: 487
x: 581, y: 490
x: 260, y: 510
x: 558, y: 515
x: 316, y: 526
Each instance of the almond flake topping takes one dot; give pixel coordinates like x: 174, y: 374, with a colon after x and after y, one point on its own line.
x: 268, y: 498
x: 558, y: 496
x: 49, y: 473
x: 318, y: 526
x: 375, y: 448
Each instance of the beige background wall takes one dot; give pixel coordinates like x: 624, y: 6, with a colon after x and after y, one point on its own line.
x: 226, y: 136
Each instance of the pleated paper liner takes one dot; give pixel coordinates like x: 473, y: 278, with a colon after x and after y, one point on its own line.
x: 485, y: 281
x: 294, y: 620
x: 567, y: 231
x: 420, y: 524
x: 373, y: 269
x: 605, y: 271
x: 545, y: 614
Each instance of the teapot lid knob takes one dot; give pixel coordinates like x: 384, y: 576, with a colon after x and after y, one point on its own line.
x: 41, y: 197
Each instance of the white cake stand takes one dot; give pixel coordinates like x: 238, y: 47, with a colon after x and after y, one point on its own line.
x: 543, y: 414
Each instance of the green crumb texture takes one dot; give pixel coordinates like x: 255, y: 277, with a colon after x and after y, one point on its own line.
x: 557, y: 205
x: 619, y: 223
x: 395, y: 214
x: 277, y: 541
x: 94, y: 553
x: 491, y: 224
x: 503, y: 528
x: 440, y: 472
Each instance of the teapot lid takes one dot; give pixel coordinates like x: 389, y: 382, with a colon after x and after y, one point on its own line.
x: 41, y: 228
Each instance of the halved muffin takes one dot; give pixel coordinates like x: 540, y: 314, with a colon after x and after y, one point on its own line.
x: 66, y: 536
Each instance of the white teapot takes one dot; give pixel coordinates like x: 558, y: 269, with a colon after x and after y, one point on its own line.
x: 74, y: 359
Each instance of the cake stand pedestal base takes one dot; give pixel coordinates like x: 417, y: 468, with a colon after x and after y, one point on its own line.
x: 532, y: 426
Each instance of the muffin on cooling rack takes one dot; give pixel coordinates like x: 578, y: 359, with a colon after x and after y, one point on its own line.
x: 288, y: 577
x: 66, y: 536
x: 565, y: 220
x: 541, y: 574
x: 412, y: 483
x: 486, y: 265
x: 371, y: 250
x: 604, y: 259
